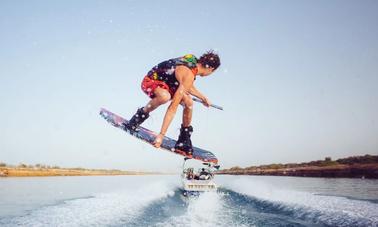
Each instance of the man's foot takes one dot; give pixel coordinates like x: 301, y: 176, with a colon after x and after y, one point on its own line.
x: 184, y: 142
x: 139, y: 117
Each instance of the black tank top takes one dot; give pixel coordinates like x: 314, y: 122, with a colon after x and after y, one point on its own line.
x: 165, y: 71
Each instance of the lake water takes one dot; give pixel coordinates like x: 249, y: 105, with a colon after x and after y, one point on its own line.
x: 157, y: 201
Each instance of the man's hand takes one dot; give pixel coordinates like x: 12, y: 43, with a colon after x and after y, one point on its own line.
x: 195, y: 92
x: 206, y: 101
x: 158, y: 140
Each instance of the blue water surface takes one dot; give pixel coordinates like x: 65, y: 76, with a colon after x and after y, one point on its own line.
x: 157, y: 201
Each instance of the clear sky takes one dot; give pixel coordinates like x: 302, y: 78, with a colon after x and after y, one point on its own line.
x: 298, y: 80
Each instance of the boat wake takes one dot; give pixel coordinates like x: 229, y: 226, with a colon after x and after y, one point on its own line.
x: 105, y: 209
x: 239, y: 202
x: 305, y: 206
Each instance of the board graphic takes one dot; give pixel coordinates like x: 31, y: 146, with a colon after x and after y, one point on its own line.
x: 149, y: 137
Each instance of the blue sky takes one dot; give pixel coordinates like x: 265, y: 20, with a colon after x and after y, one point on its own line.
x: 298, y: 80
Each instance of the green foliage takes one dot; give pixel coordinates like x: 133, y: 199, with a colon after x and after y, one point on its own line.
x: 235, y: 168
x: 366, y: 159
x: 22, y: 165
x: 272, y: 166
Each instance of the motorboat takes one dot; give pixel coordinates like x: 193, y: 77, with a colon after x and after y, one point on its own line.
x: 198, y: 180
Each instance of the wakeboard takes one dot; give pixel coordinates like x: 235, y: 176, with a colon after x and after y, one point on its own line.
x: 149, y: 136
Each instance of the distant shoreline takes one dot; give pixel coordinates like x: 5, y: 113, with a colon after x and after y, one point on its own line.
x: 46, y: 172
x: 368, y: 171
x: 352, y: 167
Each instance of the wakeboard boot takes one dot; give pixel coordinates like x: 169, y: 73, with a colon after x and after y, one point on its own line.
x: 184, y: 142
x: 139, y: 117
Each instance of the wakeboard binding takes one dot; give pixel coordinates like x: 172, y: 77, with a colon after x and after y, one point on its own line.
x: 139, y: 117
x: 184, y: 142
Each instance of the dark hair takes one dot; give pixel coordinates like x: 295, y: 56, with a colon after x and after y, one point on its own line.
x: 210, y: 59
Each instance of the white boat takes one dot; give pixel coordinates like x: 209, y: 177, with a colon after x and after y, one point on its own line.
x: 196, y: 181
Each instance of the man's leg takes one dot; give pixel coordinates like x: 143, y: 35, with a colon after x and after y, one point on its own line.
x: 188, y: 110
x: 184, y: 142
x: 162, y: 96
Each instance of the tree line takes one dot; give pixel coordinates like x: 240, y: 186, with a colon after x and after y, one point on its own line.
x: 366, y: 159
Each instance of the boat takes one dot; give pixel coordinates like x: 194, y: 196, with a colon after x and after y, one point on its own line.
x: 198, y: 180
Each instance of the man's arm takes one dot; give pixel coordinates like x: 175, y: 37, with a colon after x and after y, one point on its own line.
x: 186, y: 78
x: 194, y: 91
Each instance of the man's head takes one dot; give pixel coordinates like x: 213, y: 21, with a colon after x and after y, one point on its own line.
x: 208, y: 63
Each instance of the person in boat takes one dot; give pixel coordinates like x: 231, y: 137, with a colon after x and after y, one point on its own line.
x: 190, y: 174
x: 204, y: 174
x: 173, y: 80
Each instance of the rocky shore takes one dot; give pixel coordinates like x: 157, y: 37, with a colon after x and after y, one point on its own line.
x: 39, y: 172
x: 352, y: 167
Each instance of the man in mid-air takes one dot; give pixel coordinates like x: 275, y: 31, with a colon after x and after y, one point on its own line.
x: 174, y: 80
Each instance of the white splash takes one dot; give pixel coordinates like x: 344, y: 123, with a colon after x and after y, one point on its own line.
x: 208, y: 210
x: 100, y: 210
x: 326, y: 209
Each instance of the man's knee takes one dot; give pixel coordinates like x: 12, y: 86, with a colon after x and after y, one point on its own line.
x: 188, y: 102
x: 164, y: 97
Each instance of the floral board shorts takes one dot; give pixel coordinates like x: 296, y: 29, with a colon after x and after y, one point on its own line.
x: 149, y: 85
